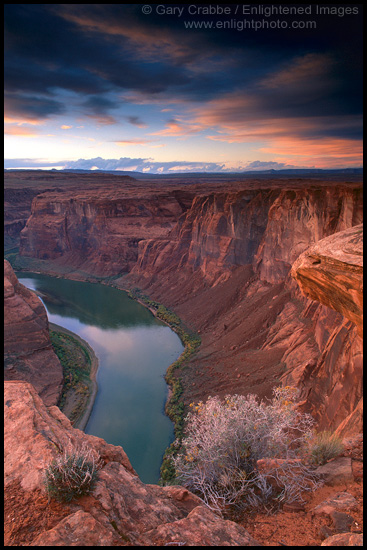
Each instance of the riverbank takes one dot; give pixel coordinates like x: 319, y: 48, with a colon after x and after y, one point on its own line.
x: 78, y: 405
x: 174, y: 405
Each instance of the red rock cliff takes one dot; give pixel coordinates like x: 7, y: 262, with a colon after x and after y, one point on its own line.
x: 331, y: 272
x: 221, y: 259
x: 97, y: 232
x: 28, y: 354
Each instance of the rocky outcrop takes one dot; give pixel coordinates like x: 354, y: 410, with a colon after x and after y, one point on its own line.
x: 28, y: 354
x: 300, y: 217
x: 17, y: 209
x: 266, y: 228
x: 331, y: 272
x: 121, y: 509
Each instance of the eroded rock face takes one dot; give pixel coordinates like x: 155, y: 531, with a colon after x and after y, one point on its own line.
x: 17, y: 209
x: 331, y: 272
x: 221, y: 260
x: 121, y: 508
x: 299, y: 218
x: 97, y: 231
x: 28, y: 354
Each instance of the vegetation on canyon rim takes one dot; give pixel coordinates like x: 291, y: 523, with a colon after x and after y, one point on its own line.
x: 225, y: 441
x: 174, y: 407
x: 76, y: 364
x: 325, y: 445
x: 72, y: 474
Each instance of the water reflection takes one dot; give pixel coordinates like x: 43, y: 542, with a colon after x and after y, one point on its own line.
x: 134, y: 352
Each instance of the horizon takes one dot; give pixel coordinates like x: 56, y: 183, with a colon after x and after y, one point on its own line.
x: 164, y: 90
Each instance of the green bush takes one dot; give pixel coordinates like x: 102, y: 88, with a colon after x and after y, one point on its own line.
x: 72, y: 474
x: 324, y: 446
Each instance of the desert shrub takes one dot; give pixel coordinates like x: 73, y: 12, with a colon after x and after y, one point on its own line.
x: 324, y: 446
x: 72, y: 474
x: 225, y: 439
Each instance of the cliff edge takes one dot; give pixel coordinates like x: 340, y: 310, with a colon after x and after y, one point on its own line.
x: 121, y: 510
x: 331, y: 272
x: 28, y: 353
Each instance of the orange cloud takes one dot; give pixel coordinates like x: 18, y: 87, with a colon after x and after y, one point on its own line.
x: 10, y: 130
x: 309, y: 70
x: 21, y: 121
x: 176, y: 128
x: 127, y: 142
x: 325, y: 153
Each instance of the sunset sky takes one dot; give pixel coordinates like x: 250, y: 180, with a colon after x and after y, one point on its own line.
x: 112, y: 86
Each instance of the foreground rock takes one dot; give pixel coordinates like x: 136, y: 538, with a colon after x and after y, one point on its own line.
x: 345, y: 539
x: 121, y: 510
x: 28, y: 353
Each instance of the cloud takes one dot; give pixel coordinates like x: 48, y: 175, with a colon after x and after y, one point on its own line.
x: 280, y: 91
x: 148, y: 165
x: 178, y: 128
x: 11, y: 130
x: 137, y: 141
x: 135, y: 121
x: 258, y: 165
x: 30, y: 107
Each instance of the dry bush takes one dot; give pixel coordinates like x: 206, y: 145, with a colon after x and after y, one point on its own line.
x: 225, y: 439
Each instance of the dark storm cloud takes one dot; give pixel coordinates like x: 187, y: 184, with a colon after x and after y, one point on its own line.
x: 99, y: 52
x: 31, y: 107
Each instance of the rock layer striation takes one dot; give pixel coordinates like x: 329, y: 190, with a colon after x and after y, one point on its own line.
x: 28, y: 353
x: 221, y: 258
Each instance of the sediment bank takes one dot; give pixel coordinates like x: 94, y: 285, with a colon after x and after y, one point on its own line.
x: 81, y: 422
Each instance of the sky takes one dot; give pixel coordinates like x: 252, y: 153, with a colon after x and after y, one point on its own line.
x: 166, y: 88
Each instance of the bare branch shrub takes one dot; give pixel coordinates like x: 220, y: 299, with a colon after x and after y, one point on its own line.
x: 224, y: 440
x: 72, y: 474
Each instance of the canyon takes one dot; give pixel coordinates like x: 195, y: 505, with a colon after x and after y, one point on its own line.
x: 220, y: 257
x: 267, y: 271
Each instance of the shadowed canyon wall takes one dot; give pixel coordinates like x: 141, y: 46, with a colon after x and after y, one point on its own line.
x: 28, y: 353
x: 221, y: 260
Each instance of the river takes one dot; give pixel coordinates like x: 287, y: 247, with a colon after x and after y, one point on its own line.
x: 134, y: 350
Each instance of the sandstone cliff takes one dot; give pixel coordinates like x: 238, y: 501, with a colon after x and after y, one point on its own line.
x: 221, y: 259
x: 97, y: 232
x: 28, y: 354
x: 331, y: 272
x: 121, y: 511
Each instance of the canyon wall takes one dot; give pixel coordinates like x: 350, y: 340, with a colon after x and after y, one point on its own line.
x: 17, y: 209
x: 222, y: 261
x: 97, y: 233
x: 28, y: 353
x: 331, y: 272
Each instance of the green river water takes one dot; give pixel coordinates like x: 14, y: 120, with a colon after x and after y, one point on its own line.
x: 134, y: 351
